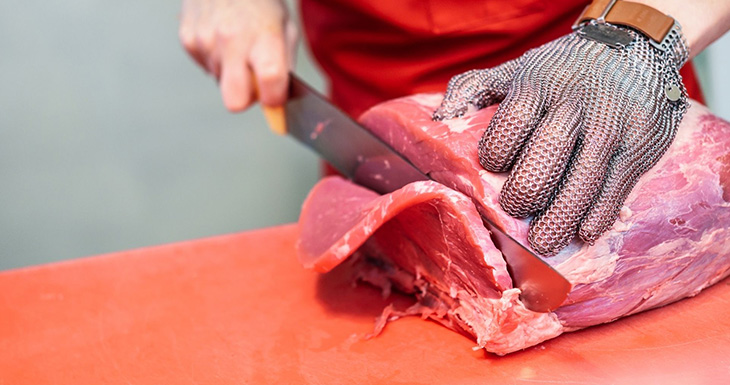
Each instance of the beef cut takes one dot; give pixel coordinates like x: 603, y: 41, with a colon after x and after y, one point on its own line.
x: 672, y: 238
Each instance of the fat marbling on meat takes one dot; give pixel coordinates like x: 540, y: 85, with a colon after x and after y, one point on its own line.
x: 672, y: 238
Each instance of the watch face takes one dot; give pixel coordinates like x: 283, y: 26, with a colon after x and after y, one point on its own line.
x: 607, y: 34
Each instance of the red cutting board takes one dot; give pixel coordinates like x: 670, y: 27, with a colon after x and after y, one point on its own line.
x: 238, y: 309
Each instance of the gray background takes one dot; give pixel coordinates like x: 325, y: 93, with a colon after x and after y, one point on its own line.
x: 111, y: 138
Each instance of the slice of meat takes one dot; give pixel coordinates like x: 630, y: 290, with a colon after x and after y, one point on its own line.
x: 434, y: 234
x: 671, y: 240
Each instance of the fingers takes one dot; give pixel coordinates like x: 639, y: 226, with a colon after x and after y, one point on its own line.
x: 510, y: 127
x: 198, y: 34
x: 230, y: 40
x: 460, y: 89
x: 603, y: 213
x: 235, y: 82
x: 198, y: 42
x: 552, y: 229
x: 542, y: 163
x: 270, y: 61
x: 479, y: 88
x: 292, y: 38
x: 642, y: 153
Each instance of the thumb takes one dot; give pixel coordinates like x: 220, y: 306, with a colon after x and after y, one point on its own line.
x: 479, y: 88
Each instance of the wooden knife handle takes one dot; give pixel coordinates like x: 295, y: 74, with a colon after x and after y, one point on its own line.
x: 275, y: 118
x: 275, y: 115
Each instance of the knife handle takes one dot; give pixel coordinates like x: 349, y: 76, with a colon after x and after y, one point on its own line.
x: 274, y: 115
x: 275, y: 118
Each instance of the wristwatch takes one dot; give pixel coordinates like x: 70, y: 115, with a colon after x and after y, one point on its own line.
x: 663, y: 31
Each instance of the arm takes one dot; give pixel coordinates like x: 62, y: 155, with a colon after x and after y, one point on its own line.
x: 235, y: 39
x: 702, y: 21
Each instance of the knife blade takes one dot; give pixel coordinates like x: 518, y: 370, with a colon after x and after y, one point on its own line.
x: 358, y: 154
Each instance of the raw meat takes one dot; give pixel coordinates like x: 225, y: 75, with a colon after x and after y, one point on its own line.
x: 671, y: 240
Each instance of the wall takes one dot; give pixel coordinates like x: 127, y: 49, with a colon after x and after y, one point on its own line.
x: 111, y: 138
x: 716, y: 76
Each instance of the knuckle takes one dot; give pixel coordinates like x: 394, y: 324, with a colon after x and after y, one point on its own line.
x: 204, y: 38
x: 272, y: 71
x: 292, y: 33
x: 187, y: 38
x: 228, y: 33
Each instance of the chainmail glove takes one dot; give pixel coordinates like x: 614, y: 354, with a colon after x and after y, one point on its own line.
x: 581, y: 119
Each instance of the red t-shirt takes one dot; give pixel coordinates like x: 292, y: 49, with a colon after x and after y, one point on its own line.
x: 377, y: 50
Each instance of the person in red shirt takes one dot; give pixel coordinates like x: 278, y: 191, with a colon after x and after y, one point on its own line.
x: 373, y: 51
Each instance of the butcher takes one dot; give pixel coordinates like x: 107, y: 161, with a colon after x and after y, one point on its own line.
x: 591, y: 93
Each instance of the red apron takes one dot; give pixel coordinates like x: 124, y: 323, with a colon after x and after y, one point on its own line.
x: 374, y: 50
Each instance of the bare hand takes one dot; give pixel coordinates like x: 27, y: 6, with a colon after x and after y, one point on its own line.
x: 233, y: 39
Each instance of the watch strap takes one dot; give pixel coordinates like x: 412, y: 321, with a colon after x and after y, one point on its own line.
x: 663, y: 32
x: 647, y: 20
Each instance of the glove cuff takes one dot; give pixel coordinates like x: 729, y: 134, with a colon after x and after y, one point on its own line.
x: 662, y: 31
x: 674, y: 45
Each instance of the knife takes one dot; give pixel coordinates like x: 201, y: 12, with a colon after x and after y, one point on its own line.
x: 358, y: 154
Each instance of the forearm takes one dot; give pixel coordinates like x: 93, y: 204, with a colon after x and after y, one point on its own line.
x: 702, y: 21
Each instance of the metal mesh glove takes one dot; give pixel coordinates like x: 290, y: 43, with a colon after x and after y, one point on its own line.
x: 581, y: 119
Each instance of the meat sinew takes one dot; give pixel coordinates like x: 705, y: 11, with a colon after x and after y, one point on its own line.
x: 672, y: 238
